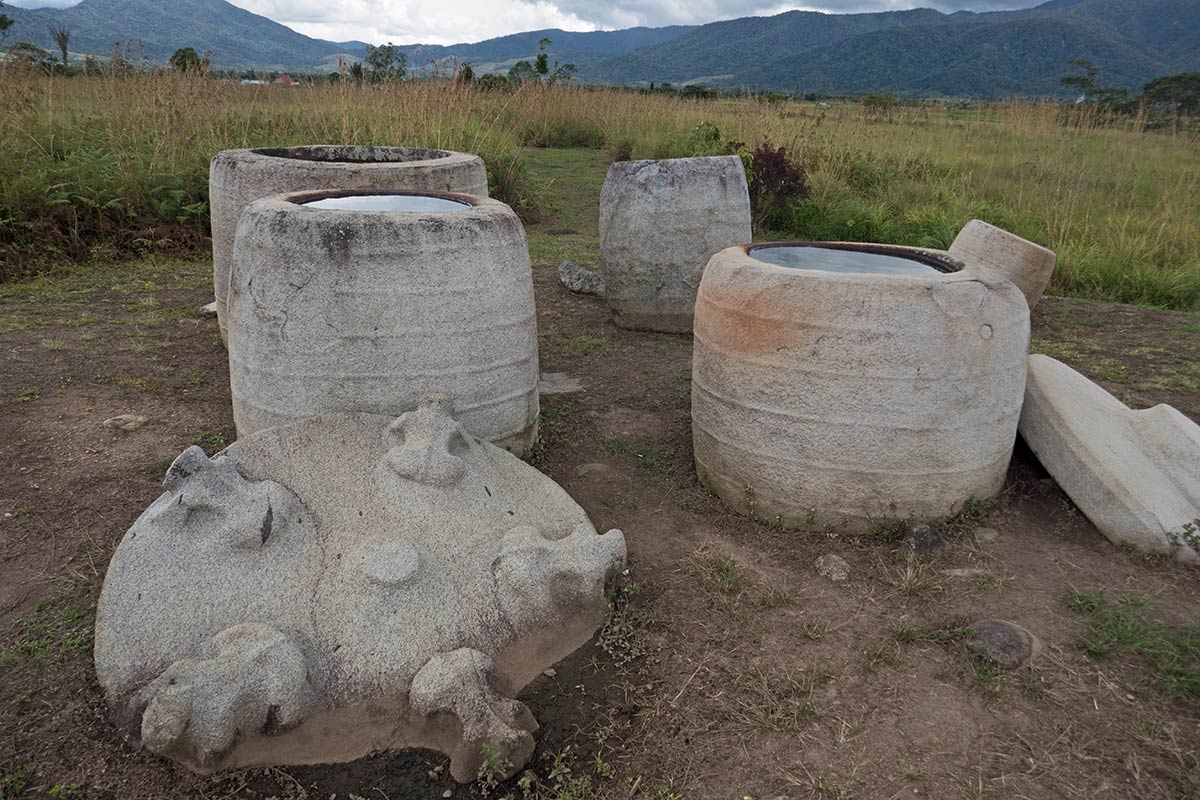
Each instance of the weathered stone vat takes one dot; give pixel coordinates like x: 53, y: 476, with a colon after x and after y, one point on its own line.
x: 660, y: 222
x: 347, y: 302
x: 238, y: 177
x: 840, y: 386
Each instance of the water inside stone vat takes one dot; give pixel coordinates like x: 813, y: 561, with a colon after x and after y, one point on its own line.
x: 388, y: 202
x: 829, y: 259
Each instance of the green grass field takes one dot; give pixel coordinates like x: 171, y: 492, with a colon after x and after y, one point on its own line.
x: 101, y: 168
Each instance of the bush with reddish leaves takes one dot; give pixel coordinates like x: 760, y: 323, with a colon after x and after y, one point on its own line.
x: 775, y: 183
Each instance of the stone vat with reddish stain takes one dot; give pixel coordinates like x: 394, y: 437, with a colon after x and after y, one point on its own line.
x: 239, y: 177
x: 340, y: 301
x: 343, y: 585
x: 844, y: 386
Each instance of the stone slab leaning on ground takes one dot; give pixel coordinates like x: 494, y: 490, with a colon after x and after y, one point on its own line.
x: 1134, y: 474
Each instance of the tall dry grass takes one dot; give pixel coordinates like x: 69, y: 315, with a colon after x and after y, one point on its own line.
x: 87, y: 162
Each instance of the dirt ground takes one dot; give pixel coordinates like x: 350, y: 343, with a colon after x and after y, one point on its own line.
x: 730, y: 668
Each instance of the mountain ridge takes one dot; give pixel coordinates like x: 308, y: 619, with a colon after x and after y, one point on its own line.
x: 915, y: 52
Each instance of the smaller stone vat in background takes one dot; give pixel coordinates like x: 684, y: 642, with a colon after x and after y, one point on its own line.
x: 841, y: 386
x: 238, y: 177
x: 340, y: 301
x: 660, y: 222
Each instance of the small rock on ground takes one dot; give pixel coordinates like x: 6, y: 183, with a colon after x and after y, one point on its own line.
x: 209, y: 310
x: 922, y: 540
x: 986, y: 535
x: 576, y: 279
x: 1006, y: 643
x: 558, y: 383
x: 592, y: 468
x: 125, y: 422
x: 833, y: 567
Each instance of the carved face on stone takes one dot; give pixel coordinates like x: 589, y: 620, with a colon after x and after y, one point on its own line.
x: 342, y: 585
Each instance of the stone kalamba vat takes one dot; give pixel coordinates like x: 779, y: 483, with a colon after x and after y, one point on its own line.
x: 348, y: 302
x: 342, y: 585
x: 238, y: 177
x: 839, y: 386
x: 660, y: 222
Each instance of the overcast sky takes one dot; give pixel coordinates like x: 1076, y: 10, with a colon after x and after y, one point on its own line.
x: 452, y: 21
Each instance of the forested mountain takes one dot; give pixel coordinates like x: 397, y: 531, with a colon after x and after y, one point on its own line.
x: 238, y: 38
x: 234, y: 36
x: 925, y: 52
x: 919, y: 52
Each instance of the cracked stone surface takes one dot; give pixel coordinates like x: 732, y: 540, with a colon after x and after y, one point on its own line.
x: 342, y: 585
x: 1134, y: 474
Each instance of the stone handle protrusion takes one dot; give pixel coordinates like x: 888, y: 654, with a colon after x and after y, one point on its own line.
x: 462, y: 683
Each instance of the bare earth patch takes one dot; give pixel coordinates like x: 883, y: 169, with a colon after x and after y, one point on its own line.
x: 730, y: 668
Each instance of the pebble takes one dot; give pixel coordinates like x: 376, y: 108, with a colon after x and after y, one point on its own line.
x: 833, y: 567
x: 590, y: 469
x: 986, y: 535
x: 550, y: 673
x: 575, y: 278
x: 1006, y: 643
x: 209, y: 311
x: 922, y: 540
x: 125, y: 422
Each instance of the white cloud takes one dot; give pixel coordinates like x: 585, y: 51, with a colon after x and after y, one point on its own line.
x: 452, y: 21
x: 425, y: 22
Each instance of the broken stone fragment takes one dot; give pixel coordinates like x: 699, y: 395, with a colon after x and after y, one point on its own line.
x: 347, y: 584
x: 580, y: 280
x: 1134, y: 474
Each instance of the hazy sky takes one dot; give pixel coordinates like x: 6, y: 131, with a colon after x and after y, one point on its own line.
x: 451, y: 21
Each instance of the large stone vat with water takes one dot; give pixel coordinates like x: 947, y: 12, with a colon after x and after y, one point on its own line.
x: 841, y: 386
x: 238, y: 177
x: 341, y: 301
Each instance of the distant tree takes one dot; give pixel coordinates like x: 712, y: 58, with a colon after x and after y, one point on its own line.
x: 1093, y: 92
x: 186, y: 59
x: 1085, y: 84
x: 541, y: 64
x: 520, y: 72
x: 492, y: 82
x: 465, y: 74
x: 358, y: 73
x: 30, y: 55
x: 1181, y: 92
x: 385, y: 63
x: 61, y: 35
x: 564, y: 73
x: 5, y: 22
